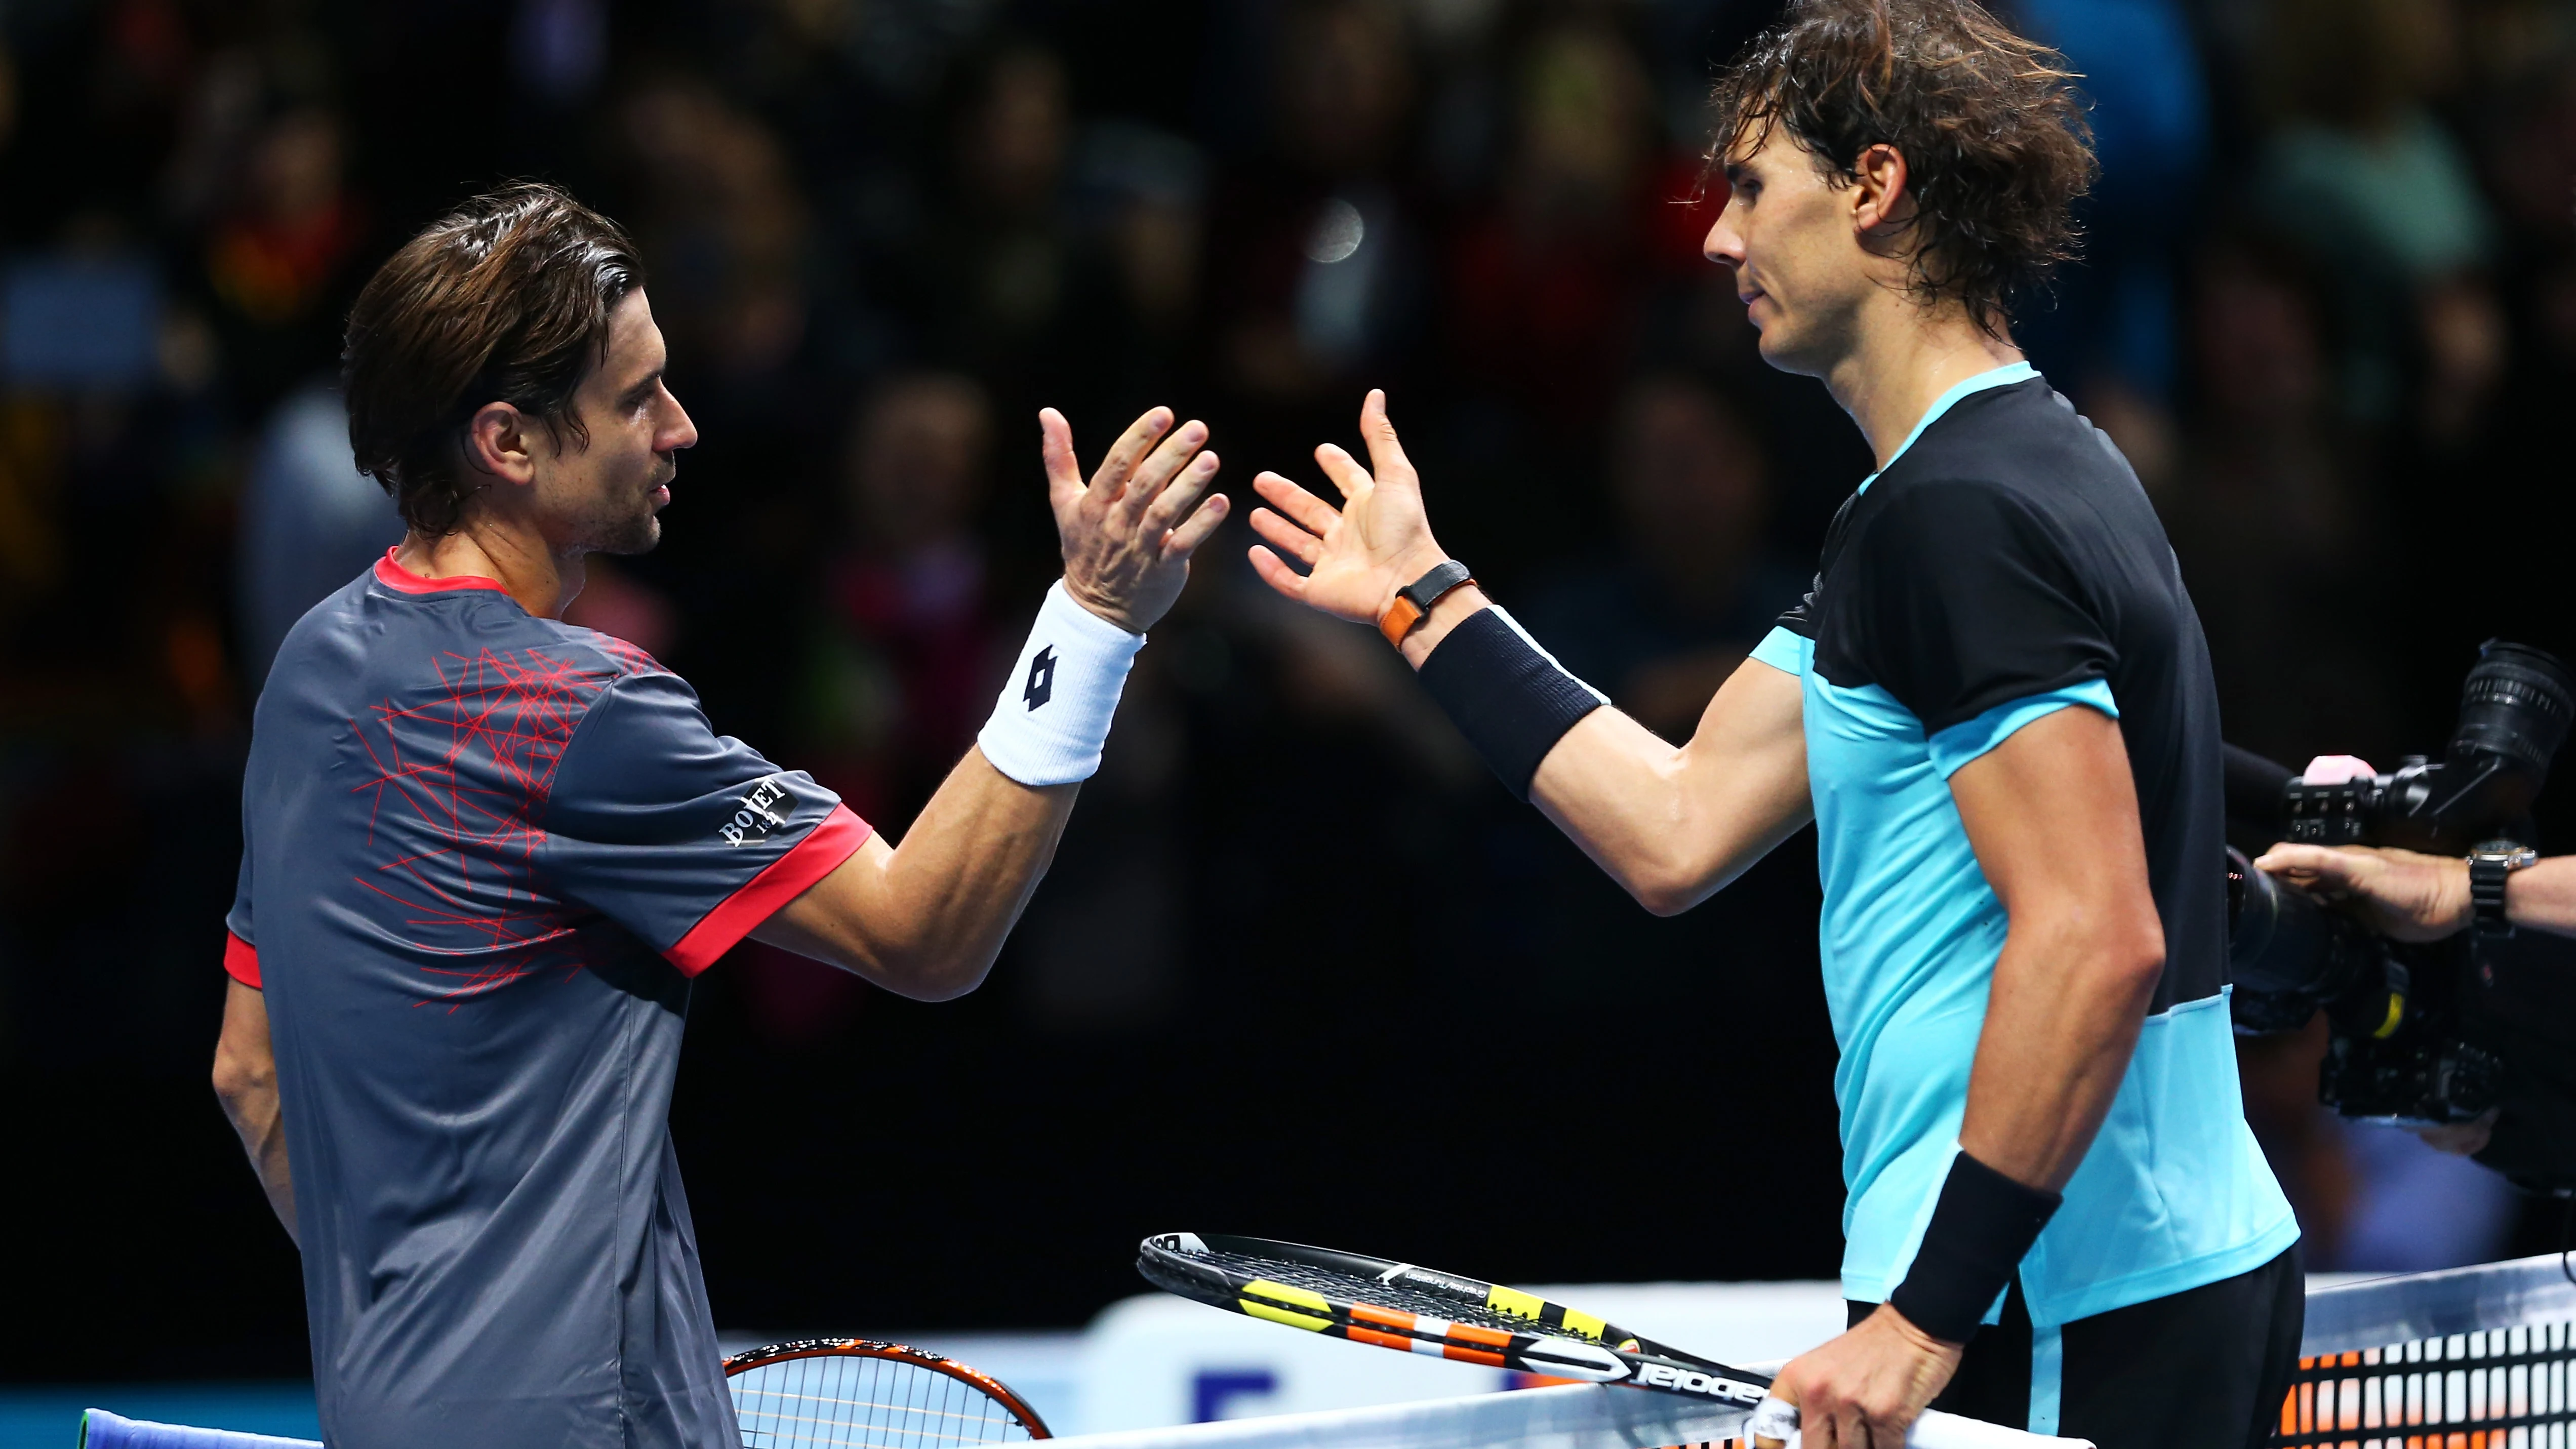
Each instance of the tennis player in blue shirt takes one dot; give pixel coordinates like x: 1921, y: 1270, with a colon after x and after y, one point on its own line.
x: 1996, y: 707
x: 486, y: 851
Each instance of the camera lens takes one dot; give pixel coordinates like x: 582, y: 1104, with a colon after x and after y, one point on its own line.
x: 2518, y: 703
x: 2289, y: 955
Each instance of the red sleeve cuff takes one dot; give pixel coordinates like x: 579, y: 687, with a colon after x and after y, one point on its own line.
x: 241, y: 960
x: 819, y: 854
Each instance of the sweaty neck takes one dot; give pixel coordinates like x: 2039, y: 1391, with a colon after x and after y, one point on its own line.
x: 1904, y: 360
x: 543, y: 581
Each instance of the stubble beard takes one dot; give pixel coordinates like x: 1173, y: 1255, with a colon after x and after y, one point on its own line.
x: 624, y: 526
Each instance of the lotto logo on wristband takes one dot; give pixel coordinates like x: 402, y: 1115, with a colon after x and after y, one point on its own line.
x: 1052, y: 714
x: 1041, y: 685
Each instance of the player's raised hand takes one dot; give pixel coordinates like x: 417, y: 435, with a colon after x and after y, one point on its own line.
x: 1356, y: 557
x: 1128, y: 534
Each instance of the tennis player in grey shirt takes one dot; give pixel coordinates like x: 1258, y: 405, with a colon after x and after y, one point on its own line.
x: 486, y: 852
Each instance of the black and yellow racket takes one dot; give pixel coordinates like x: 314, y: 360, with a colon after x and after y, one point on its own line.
x: 1416, y: 1310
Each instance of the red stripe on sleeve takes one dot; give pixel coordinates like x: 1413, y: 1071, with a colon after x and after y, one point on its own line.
x: 819, y: 854
x: 241, y: 960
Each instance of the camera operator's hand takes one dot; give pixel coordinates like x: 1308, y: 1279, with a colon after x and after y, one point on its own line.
x: 2460, y: 1139
x: 2403, y: 895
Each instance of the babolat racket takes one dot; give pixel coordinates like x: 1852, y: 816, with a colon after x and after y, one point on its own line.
x: 1416, y: 1310
x: 854, y: 1393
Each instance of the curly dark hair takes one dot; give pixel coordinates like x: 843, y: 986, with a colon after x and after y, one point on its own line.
x: 505, y: 299
x: 1990, y: 126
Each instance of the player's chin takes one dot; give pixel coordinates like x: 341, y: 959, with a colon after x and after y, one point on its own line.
x: 1781, y: 346
x: 633, y: 536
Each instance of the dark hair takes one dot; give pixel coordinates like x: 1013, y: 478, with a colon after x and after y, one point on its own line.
x: 1992, y: 132
x: 505, y: 299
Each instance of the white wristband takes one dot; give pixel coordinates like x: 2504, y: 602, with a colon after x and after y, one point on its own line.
x: 1053, y: 716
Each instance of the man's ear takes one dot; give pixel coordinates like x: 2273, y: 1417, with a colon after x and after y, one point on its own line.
x: 502, y: 441
x: 1881, y: 197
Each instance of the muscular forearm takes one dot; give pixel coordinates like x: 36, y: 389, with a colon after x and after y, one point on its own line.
x: 1670, y: 824
x: 2062, y: 1021
x: 1675, y: 825
x: 926, y: 918
x: 2052, y: 814
x: 2416, y: 897
x: 262, y: 1129
x: 246, y: 1084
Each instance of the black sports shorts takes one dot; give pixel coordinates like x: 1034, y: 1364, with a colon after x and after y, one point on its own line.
x: 2208, y: 1366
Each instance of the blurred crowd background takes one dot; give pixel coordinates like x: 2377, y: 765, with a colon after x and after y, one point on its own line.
x: 1302, y: 968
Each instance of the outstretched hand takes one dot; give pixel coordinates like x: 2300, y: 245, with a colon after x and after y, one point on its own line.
x: 2404, y: 895
x: 1355, y: 557
x: 1129, y: 533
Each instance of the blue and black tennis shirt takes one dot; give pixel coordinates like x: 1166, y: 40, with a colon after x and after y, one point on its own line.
x: 484, y: 854
x: 2005, y: 565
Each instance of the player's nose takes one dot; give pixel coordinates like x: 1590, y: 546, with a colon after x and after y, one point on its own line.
x: 1723, y: 245
x: 678, y: 431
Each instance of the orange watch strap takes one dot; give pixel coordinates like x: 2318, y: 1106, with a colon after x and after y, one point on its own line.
x: 1418, y: 598
x: 1399, y: 619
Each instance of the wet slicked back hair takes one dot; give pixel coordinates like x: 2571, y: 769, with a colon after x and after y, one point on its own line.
x: 505, y: 299
x: 1992, y: 132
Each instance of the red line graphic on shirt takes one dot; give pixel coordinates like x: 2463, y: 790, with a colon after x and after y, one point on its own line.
x: 473, y: 764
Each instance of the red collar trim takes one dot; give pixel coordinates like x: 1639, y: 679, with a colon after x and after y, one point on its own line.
x: 394, y: 576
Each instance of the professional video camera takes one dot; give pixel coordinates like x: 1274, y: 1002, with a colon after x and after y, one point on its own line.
x: 2410, y: 1038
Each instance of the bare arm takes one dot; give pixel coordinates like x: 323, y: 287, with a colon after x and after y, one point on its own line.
x: 925, y: 918
x: 1671, y: 825
x: 2053, y: 815
x: 2414, y: 897
x: 246, y: 1083
x: 2417, y: 897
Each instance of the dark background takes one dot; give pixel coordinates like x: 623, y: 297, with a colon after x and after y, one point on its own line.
x: 1302, y: 969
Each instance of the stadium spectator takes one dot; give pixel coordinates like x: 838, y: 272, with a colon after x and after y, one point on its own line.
x: 1692, y: 586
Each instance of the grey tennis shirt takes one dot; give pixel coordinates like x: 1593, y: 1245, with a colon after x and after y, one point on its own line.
x: 484, y: 854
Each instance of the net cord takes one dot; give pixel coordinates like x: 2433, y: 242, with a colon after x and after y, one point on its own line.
x: 2378, y: 1312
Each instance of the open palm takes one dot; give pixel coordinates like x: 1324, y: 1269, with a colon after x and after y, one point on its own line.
x: 1358, y: 555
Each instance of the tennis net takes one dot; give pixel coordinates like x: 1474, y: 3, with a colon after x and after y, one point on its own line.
x: 2472, y: 1358
x: 1574, y: 1416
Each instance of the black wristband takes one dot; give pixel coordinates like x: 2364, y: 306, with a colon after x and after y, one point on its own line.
x: 1979, y: 1231
x: 1511, y: 701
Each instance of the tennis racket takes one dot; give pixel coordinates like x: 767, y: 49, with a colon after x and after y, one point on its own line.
x: 854, y: 1393
x: 1416, y: 1310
